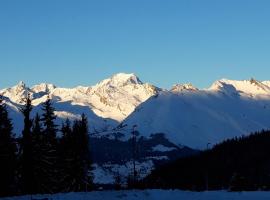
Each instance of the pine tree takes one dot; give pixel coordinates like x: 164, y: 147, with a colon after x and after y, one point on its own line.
x: 66, y: 157
x: 66, y: 129
x: 26, y: 157
x: 38, y: 168
x: 48, y: 117
x: 7, y: 153
x: 78, y: 156
x: 36, y: 128
x: 49, y: 149
x: 82, y: 161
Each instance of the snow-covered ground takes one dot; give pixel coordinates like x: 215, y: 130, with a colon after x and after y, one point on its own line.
x: 152, y: 195
x: 107, y: 173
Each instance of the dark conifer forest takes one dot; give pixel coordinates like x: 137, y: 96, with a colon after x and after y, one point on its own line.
x: 235, y: 164
x: 40, y: 161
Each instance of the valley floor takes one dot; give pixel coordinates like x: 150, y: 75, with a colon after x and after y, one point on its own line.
x: 150, y: 195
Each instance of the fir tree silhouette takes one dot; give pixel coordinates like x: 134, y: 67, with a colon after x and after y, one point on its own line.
x: 7, y: 153
x: 49, y: 178
x: 26, y: 157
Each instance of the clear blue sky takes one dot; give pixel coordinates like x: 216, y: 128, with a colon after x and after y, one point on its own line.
x: 164, y: 42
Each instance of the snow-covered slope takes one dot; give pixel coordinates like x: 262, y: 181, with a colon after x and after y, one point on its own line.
x: 250, y: 87
x: 105, y: 104
x: 185, y: 114
x: 197, y: 117
x: 118, y: 96
x: 151, y: 195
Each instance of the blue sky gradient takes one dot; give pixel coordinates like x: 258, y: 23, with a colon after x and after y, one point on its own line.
x: 164, y: 42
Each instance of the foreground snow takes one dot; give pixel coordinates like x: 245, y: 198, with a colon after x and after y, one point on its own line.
x: 152, y: 195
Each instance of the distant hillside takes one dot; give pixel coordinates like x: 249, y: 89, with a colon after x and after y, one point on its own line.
x: 191, y: 117
x: 236, y: 164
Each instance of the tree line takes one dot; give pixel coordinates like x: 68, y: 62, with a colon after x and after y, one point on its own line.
x: 238, y: 164
x: 46, y: 158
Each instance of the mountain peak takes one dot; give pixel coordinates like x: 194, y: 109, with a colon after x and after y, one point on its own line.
x: 183, y: 87
x: 21, y: 84
x: 225, y: 86
x: 121, y: 79
x: 124, y: 78
x: 20, y: 87
x: 249, y: 87
x: 43, y: 87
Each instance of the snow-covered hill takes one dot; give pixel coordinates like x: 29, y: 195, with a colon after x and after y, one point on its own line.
x: 195, y: 118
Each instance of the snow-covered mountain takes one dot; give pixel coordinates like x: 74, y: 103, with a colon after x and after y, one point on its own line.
x: 106, y: 104
x: 192, y: 117
x: 185, y: 115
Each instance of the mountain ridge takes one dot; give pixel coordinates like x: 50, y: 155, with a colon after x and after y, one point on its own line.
x: 124, y: 99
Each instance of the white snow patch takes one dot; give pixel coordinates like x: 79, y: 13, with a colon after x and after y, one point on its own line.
x: 158, y: 157
x: 106, y: 173
x: 162, y: 148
